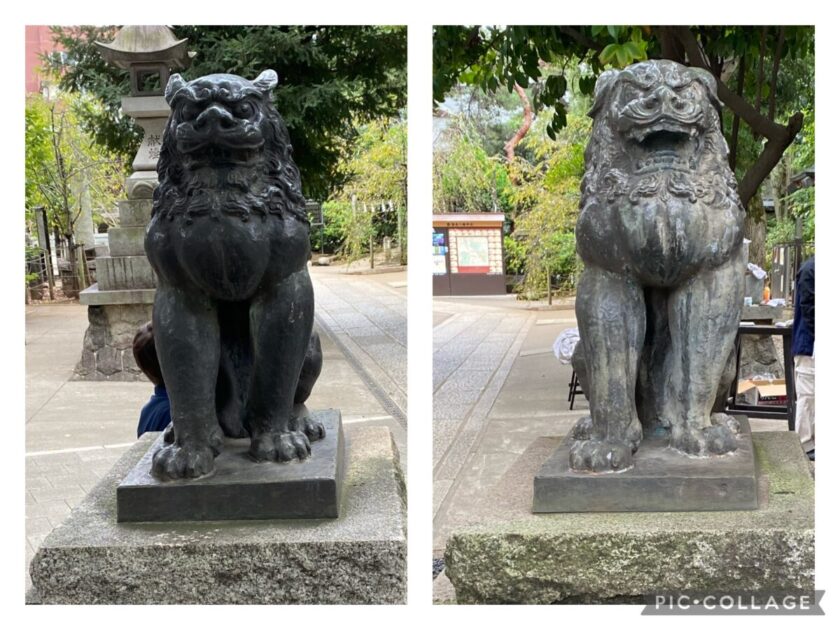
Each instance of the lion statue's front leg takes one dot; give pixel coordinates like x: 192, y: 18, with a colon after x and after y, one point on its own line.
x: 281, y: 317
x: 187, y: 342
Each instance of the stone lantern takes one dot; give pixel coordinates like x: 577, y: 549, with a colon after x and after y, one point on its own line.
x: 149, y: 53
x: 122, y: 298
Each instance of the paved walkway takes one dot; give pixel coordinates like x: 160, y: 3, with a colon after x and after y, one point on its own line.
x: 76, y: 430
x: 366, y: 317
x: 493, y: 371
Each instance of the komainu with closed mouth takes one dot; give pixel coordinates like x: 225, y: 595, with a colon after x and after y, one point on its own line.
x: 229, y: 242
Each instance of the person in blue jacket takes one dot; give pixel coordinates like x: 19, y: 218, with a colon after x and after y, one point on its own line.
x: 155, y: 414
x: 804, y: 329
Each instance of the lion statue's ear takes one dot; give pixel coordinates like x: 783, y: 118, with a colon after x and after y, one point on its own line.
x: 267, y: 81
x: 175, y: 83
x: 602, y: 87
x: 705, y: 77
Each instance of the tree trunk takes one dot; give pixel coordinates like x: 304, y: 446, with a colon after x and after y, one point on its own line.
x: 755, y: 229
x: 669, y: 44
x: 527, y: 119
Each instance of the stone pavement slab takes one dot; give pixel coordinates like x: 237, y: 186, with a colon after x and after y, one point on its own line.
x: 488, y: 395
x: 365, y: 316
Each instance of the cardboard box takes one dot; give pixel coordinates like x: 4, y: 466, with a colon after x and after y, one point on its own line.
x: 760, y: 392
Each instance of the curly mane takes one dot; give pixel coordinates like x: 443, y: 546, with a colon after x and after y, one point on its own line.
x: 271, y: 186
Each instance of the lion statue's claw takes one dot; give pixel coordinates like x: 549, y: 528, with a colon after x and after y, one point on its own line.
x: 600, y: 456
x: 717, y: 439
x: 280, y: 447
x: 182, y: 462
x: 311, y: 428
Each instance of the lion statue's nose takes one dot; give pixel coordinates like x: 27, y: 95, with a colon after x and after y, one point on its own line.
x: 215, y: 116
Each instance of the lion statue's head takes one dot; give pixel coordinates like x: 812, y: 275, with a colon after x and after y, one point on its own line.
x: 226, y: 150
x: 656, y: 132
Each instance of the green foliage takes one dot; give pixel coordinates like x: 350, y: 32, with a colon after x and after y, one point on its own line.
x: 496, y: 57
x: 546, y: 199
x: 332, y: 78
x: 376, y: 177
x: 38, y: 150
x: 545, y: 59
x: 490, y: 118
x: 378, y: 167
x: 63, y: 162
x: 516, y: 255
x: 358, y: 229
x: 466, y: 179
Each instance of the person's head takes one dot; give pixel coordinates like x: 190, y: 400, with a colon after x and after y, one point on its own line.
x: 145, y: 354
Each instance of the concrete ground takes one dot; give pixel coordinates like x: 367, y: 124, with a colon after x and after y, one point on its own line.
x: 498, y: 387
x: 76, y: 430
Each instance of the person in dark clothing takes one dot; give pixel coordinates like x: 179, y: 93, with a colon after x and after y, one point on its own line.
x: 155, y: 414
x: 804, y: 320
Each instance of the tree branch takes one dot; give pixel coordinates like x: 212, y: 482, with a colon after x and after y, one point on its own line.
x: 527, y: 119
x: 736, y: 119
x: 737, y: 104
x: 774, y: 148
x: 580, y: 38
x: 777, y: 58
x: 762, y: 48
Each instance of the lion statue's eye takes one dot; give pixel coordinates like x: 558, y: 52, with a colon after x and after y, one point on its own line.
x: 244, y: 109
x: 190, y: 110
x: 631, y: 93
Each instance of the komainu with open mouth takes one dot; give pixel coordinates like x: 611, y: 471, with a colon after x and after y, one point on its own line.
x: 661, y: 235
x: 233, y: 312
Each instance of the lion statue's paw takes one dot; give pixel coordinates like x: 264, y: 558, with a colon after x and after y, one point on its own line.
x: 724, y: 419
x: 716, y: 439
x: 600, y: 456
x: 310, y: 427
x: 280, y: 447
x: 182, y: 462
x: 583, y: 429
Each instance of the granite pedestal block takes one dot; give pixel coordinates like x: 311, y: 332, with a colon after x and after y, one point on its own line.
x: 662, y: 479
x: 357, y: 558
x: 240, y: 488
x: 507, y: 554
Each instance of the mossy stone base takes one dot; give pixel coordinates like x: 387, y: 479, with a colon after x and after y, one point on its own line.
x: 357, y: 558
x: 514, y: 556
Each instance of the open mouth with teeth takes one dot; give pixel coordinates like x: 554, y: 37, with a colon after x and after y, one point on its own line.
x: 664, y: 145
x: 215, y: 155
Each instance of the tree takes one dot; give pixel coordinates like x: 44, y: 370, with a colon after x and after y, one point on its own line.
x: 466, y: 178
x: 545, y: 200
x: 332, y: 78
x: 751, y: 65
x: 64, y: 166
x: 376, y: 185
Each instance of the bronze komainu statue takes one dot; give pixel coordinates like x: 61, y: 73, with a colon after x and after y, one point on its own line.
x: 661, y: 235
x: 229, y: 242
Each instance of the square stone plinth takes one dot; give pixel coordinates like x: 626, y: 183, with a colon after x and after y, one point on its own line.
x: 239, y: 488
x: 503, y: 553
x: 357, y: 558
x: 661, y: 480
